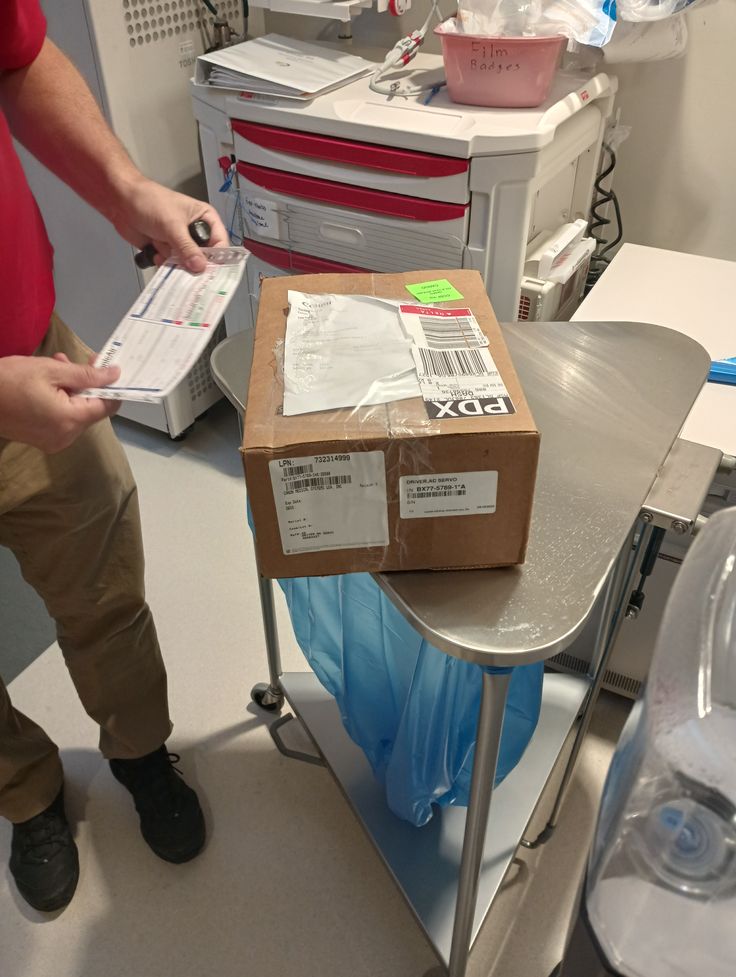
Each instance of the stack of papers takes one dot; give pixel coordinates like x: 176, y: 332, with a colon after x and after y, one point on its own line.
x: 167, y: 330
x: 282, y: 66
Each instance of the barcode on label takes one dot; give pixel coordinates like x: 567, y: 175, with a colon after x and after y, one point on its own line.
x: 296, y: 470
x: 453, y: 362
x: 448, y: 333
x: 434, y: 493
x: 317, y: 483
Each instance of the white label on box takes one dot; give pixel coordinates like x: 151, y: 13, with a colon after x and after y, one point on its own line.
x: 262, y: 217
x: 331, y: 502
x: 448, y: 494
x: 442, y: 328
x: 460, y: 382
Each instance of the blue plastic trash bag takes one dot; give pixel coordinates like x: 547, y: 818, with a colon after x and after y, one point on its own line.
x: 412, y: 709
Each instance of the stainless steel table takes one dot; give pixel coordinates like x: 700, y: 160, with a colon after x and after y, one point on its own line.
x: 609, y: 400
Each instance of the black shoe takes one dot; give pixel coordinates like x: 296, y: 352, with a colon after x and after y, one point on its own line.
x: 171, y: 819
x: 44, y: 860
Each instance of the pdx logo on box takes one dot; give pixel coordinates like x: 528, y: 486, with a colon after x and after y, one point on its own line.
x: 476, y: 407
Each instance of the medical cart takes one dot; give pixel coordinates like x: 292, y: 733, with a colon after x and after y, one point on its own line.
x: 609, y: 400
x: 358, y: 181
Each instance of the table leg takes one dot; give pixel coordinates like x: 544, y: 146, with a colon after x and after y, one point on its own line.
x: 616, y: 597
x: 487, y: 743
x: 269, y: 696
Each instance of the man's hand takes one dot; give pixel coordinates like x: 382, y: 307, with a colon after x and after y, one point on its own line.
x: 151, y: 213
x: 52, y: 112
x: 37, y: 402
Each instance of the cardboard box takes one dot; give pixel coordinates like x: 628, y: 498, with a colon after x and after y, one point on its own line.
x: 348, y: 490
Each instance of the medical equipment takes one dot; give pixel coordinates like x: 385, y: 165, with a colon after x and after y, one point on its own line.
x: 137, y: 60
x: 586, y: 544
x: 355, y: 181
x: 400, y: 55
x: 555, y: 273
x: 660, y: 896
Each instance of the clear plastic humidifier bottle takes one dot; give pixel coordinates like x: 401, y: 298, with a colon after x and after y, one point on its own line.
x: 661, y: 889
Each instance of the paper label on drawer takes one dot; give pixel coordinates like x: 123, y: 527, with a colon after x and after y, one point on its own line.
x: 450, y: 494
x: 331, y: 502
x: 262, y: 217
x: 460, y: 383
x: 442, y: 328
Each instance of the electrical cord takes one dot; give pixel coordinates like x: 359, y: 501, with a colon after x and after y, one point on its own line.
x: 600, y: 260
x: 223, y: 33
x: 400, y: 55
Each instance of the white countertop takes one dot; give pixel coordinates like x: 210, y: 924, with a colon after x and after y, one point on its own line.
x: 685, y: 292
x: 444, y: 127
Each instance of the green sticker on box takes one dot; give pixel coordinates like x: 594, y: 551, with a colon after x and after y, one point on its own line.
x: 437, y: 291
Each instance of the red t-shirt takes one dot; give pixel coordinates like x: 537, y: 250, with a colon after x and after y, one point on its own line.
x: 26, y: 256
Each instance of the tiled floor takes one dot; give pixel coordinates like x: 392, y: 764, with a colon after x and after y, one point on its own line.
x: 288, y: 884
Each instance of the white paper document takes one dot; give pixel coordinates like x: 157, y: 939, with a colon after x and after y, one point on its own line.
x: 331, y: 502
x: 262, y: 216
x: 166, y: 331
x: 345, y: 351
x: 278, y: 65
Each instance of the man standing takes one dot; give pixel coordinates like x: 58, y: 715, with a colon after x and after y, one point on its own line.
x: 68, y: 504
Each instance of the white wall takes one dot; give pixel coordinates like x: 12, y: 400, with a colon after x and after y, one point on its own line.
x: 676, y: 178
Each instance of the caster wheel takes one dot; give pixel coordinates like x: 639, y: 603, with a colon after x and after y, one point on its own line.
x: 266, y: 698
x: 182, y: 436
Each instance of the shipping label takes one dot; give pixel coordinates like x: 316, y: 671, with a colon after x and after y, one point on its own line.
x: 460, y: 382
x: 442, y: 328
x: 331, y: 502
x: 456, y: 372
x: 448, y: 494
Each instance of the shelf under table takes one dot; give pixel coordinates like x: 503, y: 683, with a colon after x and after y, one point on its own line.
x: 425, y: 862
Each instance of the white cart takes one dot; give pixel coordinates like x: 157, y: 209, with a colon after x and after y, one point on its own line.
x: 356, y: 181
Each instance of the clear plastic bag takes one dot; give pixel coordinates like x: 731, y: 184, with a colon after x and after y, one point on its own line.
x: 640, y: 11
x: 412, y: 709
x: 659, y: 40
x: 585, y: 21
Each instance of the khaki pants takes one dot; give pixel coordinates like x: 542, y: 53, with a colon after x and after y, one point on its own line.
x: 72, y: 521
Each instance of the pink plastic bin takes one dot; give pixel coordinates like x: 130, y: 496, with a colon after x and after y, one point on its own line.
x: 503, y: 72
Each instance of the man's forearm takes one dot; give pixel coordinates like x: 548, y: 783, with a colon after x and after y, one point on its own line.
x: 52, y: 112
